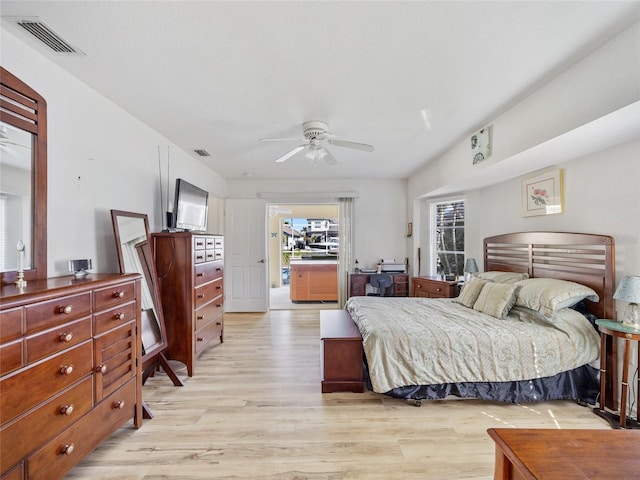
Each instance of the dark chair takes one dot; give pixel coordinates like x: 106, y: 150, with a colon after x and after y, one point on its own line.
x: 380, y: 281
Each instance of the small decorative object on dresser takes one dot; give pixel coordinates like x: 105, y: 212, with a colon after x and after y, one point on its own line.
x: 190, y: 274
x: 70, y: 370
x: 434, y: 287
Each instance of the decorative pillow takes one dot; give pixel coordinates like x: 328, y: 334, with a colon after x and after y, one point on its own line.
x: 503, y: 277
x: 548, y: 295
x: 470, y: 291
x: 496, y: 299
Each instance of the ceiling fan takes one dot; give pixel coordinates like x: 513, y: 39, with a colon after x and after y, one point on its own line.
x: 317, y: 136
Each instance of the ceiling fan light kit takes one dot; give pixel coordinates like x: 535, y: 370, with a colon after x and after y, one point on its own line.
x: 318, y: 137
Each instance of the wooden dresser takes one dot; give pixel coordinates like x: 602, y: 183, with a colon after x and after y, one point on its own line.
x: 190, y: 276
x: 434, y: 287
x: 70, y: 370
x: 358, y: 285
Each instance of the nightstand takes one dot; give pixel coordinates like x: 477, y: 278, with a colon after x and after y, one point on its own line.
x: 628, y: 334
x: 434, y: 287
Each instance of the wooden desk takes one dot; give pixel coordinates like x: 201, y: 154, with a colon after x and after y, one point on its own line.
x: 530, y: 454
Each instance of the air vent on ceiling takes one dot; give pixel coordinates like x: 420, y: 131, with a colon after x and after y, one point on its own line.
x: 46, y: 35
x: 202, y: 152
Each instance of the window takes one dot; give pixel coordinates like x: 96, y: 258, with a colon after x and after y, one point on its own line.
x: 447, y: 237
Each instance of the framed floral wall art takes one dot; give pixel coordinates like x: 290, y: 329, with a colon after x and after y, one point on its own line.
x: 543, y: 194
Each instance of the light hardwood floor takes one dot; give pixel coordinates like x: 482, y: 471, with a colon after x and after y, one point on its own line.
x: 254, y: 410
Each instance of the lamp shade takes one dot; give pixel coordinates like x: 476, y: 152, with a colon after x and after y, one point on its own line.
x: 628, y: 290
x: 470, y: 266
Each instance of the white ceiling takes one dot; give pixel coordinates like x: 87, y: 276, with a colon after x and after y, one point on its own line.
x: 412, y: 78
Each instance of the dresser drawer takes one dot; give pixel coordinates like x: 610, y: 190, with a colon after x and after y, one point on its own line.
x: 206, y: 335
x: 43, y: 380
x: 115, y: 354
x: 115, y: 295
x: 23, y: 436
x: 199, y: 243
x: 11, y: 322
x: 199, y: 256
x: 205, y: 272
x: 425, y: 287
x: 113, y: 317
x: 61, y: 454
x: 210, y: 311
x: 61, y: 310
x: 208, y: 292
x: 11, y: 357
x: 57, y: 339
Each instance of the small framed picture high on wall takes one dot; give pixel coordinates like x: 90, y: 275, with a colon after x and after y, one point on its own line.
x: 543, y: 194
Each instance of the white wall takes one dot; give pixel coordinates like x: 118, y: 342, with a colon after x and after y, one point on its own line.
x: 380, y: 210
x: 99, y: 158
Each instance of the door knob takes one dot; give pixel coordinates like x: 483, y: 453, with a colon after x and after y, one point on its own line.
x: 261, y: 261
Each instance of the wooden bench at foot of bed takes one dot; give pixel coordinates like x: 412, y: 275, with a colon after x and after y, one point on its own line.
x: 340, y: 353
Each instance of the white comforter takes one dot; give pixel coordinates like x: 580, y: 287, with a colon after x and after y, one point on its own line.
x: 420, y: 341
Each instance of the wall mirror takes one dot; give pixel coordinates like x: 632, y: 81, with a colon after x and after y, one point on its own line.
x: 131, y: 232
x: 23, y: 179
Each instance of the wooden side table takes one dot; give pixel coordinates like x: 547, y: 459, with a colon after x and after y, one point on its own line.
x: 434, y: 287
x: 574, y: 454
x: 628, y: 334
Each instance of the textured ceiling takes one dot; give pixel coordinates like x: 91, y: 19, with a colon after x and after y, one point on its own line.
x: 411, y: 78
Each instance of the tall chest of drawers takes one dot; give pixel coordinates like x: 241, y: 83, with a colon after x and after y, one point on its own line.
x: 70, y: 370
x: 190, y: 269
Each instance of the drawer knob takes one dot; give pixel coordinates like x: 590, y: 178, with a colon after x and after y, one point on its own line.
x: 66, y: 370
x: 218, y: 305
x: 199, y: 257
x: 119, y: 405
x: 199, y: 317
x: 66, y: 309
x: 66, y: 410
x: 201, y: 295
x: 119, y: 294
x: 218, y: 287
x: 67, y: 449
x: 218, y: 269
x: 102, y: 368
x: 65, y: 337
x: 200, y: 339
x: 438, y: 289
x: 218, y: 323
x: 118, y: 316
x: 200, y: 274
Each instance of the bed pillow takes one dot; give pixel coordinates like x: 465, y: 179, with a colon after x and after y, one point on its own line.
x: 471, y: 291
x: 503, y: 277
x: 548, y: 295
x: 496, y: 299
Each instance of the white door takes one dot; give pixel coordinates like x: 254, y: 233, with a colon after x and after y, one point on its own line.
x: 245, y: 256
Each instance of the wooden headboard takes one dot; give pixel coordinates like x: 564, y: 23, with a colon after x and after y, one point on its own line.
x: 578, y: 257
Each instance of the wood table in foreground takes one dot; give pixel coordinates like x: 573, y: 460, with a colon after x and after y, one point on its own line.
x: 527, y: 454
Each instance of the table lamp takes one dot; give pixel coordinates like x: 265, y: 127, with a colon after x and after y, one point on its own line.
x: 470, y: 267
x: 629, y: 291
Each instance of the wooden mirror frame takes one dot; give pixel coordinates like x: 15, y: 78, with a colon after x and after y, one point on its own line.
x: 22, y: 107
x: 153, y: 356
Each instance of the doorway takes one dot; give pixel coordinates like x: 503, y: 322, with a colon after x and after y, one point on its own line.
x: 304, y: 238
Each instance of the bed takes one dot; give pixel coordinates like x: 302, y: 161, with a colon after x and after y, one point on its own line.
x: 537, y: 342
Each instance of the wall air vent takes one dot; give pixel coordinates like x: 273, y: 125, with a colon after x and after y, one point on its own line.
x: 46, y: 35
x: 202, y: 152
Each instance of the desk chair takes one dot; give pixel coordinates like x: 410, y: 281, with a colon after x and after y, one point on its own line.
x: 380, y: 281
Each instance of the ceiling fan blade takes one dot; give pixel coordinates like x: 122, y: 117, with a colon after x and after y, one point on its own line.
x: 280, y: 139
x: 358, y: 146
x: 290, y: 153
x: 330, y: 159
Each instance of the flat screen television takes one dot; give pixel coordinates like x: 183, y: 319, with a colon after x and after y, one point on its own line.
x: 190, y: 207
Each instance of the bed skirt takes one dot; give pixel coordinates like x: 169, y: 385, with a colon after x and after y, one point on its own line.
x: 580, y: 384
